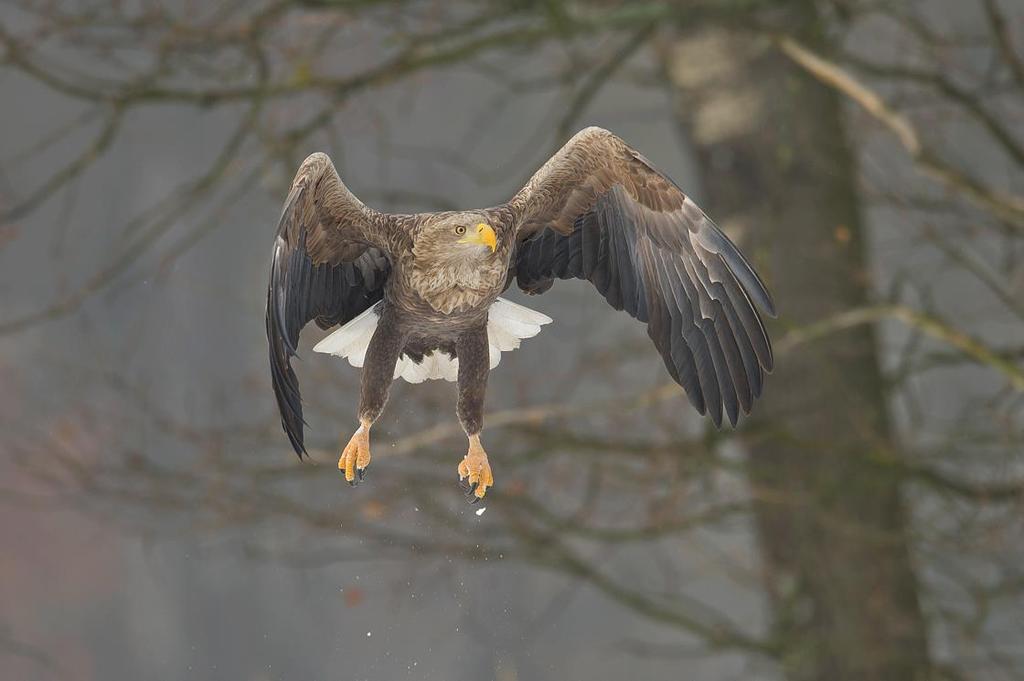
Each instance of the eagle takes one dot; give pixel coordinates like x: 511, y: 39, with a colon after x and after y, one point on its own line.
x: 417, y: 296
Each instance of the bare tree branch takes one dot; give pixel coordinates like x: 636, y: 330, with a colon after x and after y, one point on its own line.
x: 1006, y: 207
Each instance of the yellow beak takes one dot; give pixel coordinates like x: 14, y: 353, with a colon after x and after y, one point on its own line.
x: 484, y: 236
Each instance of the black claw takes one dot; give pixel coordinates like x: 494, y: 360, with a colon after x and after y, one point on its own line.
x: 360, y: 472
x: 470, y: 490
x: 352, y: 483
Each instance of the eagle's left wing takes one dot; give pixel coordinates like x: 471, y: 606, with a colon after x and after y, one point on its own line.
x: 330, y: 262
x: 598, y: 210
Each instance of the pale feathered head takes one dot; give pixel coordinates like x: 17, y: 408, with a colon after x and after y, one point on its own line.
x: 450, y: 238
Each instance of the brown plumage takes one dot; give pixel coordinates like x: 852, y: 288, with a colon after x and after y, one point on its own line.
x: 597, y: 210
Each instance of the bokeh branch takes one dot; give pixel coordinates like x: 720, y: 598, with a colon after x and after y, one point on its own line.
x: 1007, y: 207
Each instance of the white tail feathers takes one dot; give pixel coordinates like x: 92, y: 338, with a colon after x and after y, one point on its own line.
x: 507, y: 324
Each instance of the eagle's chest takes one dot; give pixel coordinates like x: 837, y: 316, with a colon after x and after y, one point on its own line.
x: 456, y: 288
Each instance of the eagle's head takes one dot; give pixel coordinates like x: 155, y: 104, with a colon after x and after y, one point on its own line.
x: 456, y: 238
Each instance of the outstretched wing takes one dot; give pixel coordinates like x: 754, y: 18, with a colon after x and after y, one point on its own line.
x: 330, y: 262
x: 598, y: 210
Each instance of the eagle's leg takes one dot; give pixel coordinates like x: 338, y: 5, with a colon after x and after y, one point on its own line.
x: 378, y: 372
x: 474, y: 365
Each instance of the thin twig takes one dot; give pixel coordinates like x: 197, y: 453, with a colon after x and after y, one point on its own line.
x: 1002, y: 34
x: 599, y: 77
x: 1007, y: 207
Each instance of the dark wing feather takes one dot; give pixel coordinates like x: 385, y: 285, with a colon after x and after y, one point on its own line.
x: 598, y: 210
x: 330, y: 263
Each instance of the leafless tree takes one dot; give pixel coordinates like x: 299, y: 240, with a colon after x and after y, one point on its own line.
x: 889, y: 537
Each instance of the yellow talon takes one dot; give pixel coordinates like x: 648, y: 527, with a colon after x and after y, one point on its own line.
x: 356, y: 455
x: 475, y: 467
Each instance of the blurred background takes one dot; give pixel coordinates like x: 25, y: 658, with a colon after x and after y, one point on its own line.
x: 866, y: 523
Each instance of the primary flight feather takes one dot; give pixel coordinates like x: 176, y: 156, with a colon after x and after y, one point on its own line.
x: 417, y: 295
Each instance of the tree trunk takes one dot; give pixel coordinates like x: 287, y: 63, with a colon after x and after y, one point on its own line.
x: 780, y: 178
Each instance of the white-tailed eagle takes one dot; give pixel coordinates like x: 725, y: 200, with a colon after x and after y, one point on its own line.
x: 416, y: 296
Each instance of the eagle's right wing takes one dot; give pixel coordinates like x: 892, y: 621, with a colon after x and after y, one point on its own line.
x: 331, y: 259
x: 598, y: 210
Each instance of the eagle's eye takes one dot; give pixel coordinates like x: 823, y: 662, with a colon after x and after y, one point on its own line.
x: 460, y: 230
